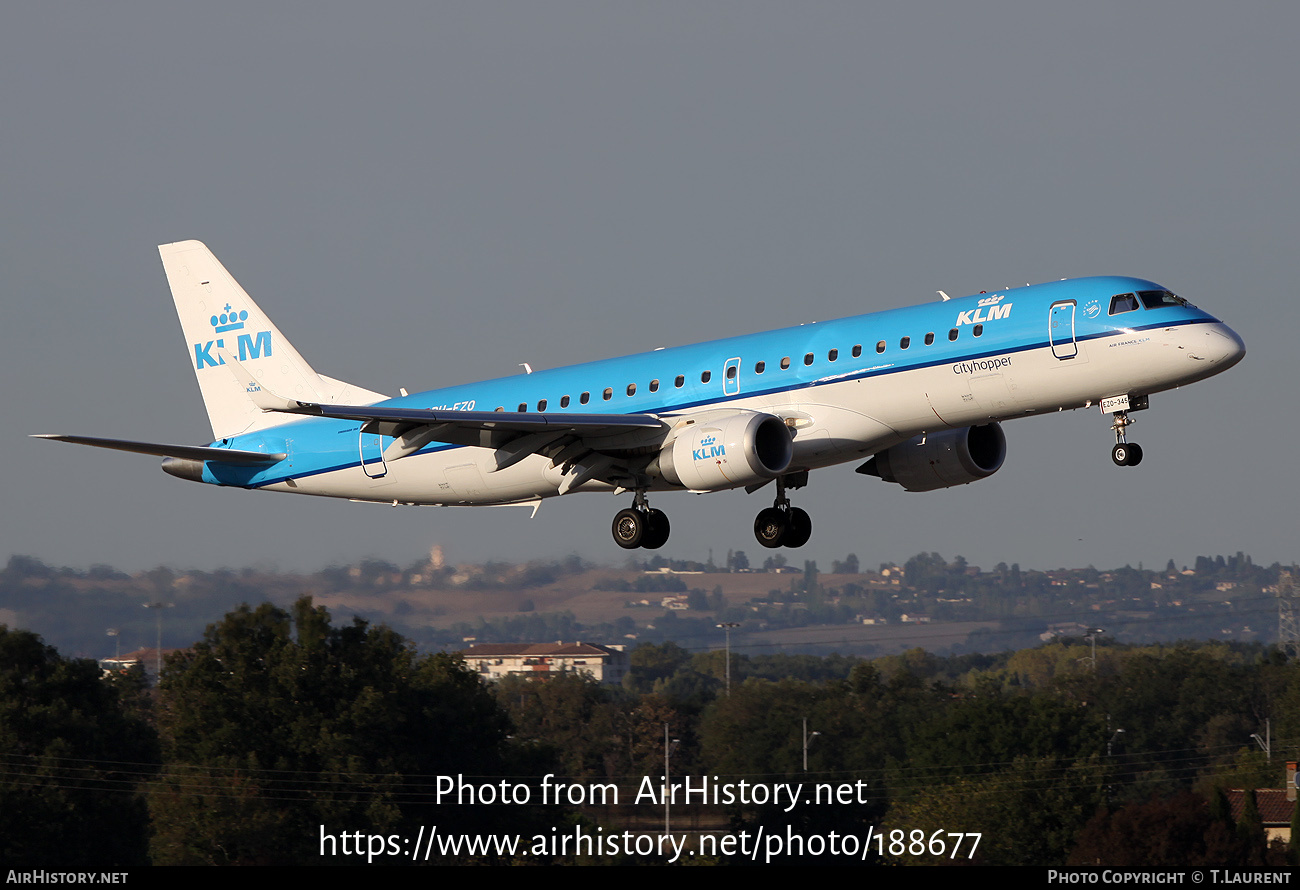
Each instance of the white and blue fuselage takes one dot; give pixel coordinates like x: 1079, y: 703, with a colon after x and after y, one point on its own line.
x: 913, y: 387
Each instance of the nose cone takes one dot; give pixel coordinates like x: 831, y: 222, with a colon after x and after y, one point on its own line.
x: 1221, y: 348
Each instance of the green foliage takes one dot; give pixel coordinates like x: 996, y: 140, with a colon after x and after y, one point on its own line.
x: 571, y: 714
x: 651, y: 662
x: 1176, y: 832
x: 71, y: 760
x: 279, y: 724
x: 1028, y: 812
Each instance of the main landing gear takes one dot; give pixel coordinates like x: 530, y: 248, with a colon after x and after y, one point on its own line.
x: 1125, y: 453
x: 781, y: 525
x: 641, y: 526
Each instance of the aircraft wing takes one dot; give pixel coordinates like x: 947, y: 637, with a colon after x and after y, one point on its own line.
x: 187, y: 452
x: 506, y: 421
x: 585, y: 446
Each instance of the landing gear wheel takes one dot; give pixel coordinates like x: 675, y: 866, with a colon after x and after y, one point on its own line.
x: 1120, y: 454
x: 770, y: 527
x: 629, y: 529
x: 799, y: 529
x: 1134, y: 454
x: 657, y: 528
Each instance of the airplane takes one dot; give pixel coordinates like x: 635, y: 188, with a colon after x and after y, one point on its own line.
x: 918, y: 394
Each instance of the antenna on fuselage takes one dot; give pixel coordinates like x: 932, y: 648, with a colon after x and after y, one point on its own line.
x: 946, y: 298
x: 528, y: 369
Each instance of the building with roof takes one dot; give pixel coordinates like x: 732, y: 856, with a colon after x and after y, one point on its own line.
x: 605, y: 664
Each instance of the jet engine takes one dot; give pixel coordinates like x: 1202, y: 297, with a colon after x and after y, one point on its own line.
x: 952, y: 457
x: 727, y: 452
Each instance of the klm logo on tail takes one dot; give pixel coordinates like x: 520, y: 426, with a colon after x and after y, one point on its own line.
x: 250, y: 346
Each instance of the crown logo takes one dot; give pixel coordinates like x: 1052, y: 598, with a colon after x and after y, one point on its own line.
x: 709, y: 441
x: 229, y: 320
x: 991, y: 301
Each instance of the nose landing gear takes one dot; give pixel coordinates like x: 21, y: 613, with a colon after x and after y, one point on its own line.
x: 1125, y: 453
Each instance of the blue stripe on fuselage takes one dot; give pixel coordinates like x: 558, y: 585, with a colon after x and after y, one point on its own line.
x: 325, y: 445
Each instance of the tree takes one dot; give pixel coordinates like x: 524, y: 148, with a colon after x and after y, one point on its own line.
x: 284, y: 724
x: 809, y: 576
x: 650, y: 662
x: 1180, y: 831
x: 848, y: 567
x: 72, y: 756
x: 570, y: 713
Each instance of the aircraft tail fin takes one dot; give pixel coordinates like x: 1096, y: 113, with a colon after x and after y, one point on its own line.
x: 217, y: 316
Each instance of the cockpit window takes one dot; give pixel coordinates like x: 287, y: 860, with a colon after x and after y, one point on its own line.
x: 1154, y: 299
x: 1123, y: 303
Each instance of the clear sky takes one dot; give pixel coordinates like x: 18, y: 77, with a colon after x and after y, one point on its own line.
x: 422, y: 194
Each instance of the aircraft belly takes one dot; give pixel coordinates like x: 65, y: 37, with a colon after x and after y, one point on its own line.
x: 449, y: 476
x: 1049, y: 382
x: 828, y: 432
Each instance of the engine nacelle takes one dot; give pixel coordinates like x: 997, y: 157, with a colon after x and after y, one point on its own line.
x: 953, y: 457
x: 727, y: 452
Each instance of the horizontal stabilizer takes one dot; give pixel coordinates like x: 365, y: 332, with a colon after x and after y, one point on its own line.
x: 188, y: 452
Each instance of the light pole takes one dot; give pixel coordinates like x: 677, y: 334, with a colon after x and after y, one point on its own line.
x: 668, y: 749
x: 1092, y: 636
x: 727, y: 626
x: 806, y: 739
x: 158, y: 607
x: 1266, y: 743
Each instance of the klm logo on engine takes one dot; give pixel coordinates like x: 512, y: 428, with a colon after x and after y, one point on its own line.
x: 988, y: 310
x: 250, y: 346
x: 708, y: 450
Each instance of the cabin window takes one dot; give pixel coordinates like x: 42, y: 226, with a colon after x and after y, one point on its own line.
x: 564, y: 401
x: 585, y: 398
x: 785, y: 363
x: 808, y: 358
x: 1121, y: 303
x: 952, y: 334
x: 929, y: 339
x: 541, y: 404
x: 832, y: 355
x: 706, y: 376
x: 979, y: 329
x: 731, y: 372
x: 760, y: 367
x: 905, y: 342
x: 857, y: 350
x: 631, y: 389
x: 679, y: 382
x: 654, y: 386
x: 880, y: 347
x: 607, y: 394
x: 523, y: 406
x: 501, y: 409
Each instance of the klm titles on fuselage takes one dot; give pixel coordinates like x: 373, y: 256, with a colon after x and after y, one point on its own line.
x: 708, y: 450
x: 988, y: 310
x: 249, y: 346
